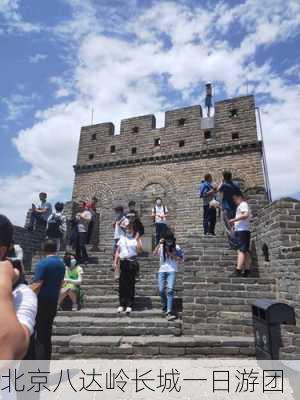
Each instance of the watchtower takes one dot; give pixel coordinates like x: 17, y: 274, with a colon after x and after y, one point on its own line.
x: 143, y: 162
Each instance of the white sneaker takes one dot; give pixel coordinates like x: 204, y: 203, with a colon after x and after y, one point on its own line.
x: 128, y: 310
x: 120, y: 309
x: 75, y: 307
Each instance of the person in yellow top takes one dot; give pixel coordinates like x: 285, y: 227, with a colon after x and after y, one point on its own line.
x: 72, y: 281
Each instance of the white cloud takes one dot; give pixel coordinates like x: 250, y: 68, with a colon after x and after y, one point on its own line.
x: 10, y: 12
x: 37, y: 58
x: 167, y: 45
x: 17, y: 104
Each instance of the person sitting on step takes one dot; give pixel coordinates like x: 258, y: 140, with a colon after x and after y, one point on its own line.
x: 170, y: 255
x: 72, y: 281
x: 128, y: 248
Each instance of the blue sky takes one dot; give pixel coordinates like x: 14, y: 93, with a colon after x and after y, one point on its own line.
x: 60, y: 58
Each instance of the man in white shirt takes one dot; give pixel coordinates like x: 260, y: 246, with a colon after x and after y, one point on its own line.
x: 159, y: 215
x: 241, y: 226
x: 83, y: 219
x: 18, y: 303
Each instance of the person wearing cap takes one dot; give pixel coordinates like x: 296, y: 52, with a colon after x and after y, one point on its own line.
x: 18, y: 303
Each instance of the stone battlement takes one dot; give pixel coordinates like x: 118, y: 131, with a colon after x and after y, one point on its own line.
x: 185, y: 130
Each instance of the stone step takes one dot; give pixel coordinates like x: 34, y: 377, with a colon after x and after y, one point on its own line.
x: 110, y: 347
x: 102, y: 290
x: 110, y: 312
x: 218, y: 328
x: 123, y: 326
x: 141, y: 303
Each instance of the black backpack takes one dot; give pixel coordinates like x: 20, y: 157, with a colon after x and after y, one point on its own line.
x: 53, y: 229
x: 137, y: 223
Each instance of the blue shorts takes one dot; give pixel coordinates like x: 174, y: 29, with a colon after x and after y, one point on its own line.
x: 243, y: 241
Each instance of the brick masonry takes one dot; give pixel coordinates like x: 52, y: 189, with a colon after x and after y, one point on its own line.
x: 144, y: 162
x: 172, y: 169
x: 278, y: 227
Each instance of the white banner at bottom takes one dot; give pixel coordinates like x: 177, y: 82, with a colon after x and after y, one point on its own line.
x: 150, y: 379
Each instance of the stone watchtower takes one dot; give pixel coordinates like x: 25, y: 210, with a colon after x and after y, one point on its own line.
x: 144, y: 162
x: 213, y: 307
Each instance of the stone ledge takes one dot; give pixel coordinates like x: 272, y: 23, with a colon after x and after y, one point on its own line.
x: 214, y: 152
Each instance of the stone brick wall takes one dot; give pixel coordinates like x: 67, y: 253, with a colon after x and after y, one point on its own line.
x: 30, y: 242
x: 177, y: 182
x: 182, y: 132
x: 172, y: 169
x: 278, y: 227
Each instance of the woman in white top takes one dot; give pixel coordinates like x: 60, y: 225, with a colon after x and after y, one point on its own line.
x: 128, y: 248
x: 170, y: 254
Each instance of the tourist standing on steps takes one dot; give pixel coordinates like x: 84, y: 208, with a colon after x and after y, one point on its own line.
x: 72, y: 282
x: 207, y: 193
x: 83, y: 219
x: 47, y: 281
x: 40, y: 213
x: 241, y: 226
x: 159, y: 215
x: 92, y: 207
x: 170, y: 254
x: 128, y: 248
x: 57, y: 225
x: 228, y: 188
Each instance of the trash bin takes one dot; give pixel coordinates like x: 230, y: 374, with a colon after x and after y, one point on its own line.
x: 267, y: 316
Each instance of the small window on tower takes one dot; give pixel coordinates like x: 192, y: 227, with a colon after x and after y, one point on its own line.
x: 133, y: 150
x: 181, y: 143
x: 234, y: 113
x: 91, y: 156
x: 94, y: 136
x: 181, y: 121
x: 135, y: 129
x: 157, y: 142
x: 235, y: 135
x: 112, y: 149
x: 207, y: 135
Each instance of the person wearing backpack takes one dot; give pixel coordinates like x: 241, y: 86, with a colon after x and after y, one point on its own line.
x: 228, y: 188
x: 57, y: 225
x: 159, y: 215
x: 207, y: 193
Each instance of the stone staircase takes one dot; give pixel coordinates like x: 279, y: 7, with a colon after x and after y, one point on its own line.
x: 214, y: 301
x: 213, y: 310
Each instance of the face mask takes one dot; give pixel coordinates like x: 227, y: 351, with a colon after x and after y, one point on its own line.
x: 73, y: 263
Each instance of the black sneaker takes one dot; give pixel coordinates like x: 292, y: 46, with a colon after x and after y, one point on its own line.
x: 237, y: 273
x: 246, y: 273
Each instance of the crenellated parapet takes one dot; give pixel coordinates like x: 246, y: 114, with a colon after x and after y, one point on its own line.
x: 185, y: 130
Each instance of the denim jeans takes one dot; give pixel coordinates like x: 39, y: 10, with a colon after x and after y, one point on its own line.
x: 166, y: 284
